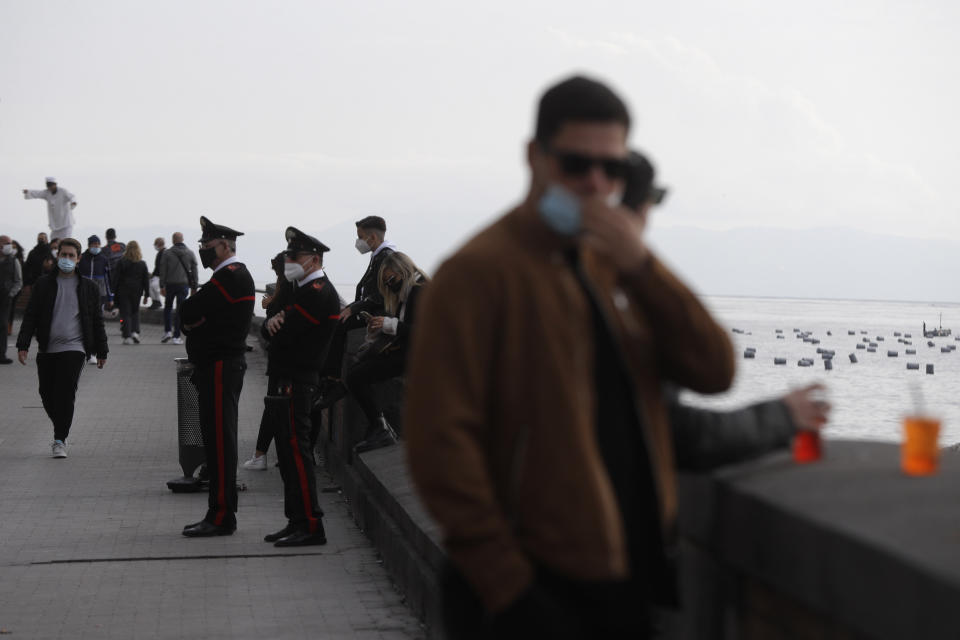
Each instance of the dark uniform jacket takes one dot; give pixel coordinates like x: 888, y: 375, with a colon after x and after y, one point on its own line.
x: 310, y: 313
x: 39, y: 315
x: 33, y: 267
x: 225, y: 304
x: 368, y: 296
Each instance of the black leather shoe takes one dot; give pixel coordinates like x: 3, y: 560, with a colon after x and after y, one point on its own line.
x: 5, y: 360
x: 283, y: 533
x: 376, y: 440
x: 302, y: 539
x: 193, y: 525
x: 204, y: 529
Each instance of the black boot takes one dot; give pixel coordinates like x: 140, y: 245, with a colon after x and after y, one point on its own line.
x: 381, y: 435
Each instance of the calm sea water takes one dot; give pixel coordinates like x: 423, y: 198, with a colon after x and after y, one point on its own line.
x: 870, y: 397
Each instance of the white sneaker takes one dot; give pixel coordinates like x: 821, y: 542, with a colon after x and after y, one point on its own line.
x: 92, y: 360
x: 256, y: 463
x: 166, y: 337
x: 128, y: 341
x: 136, y: 337
x: 58, y: 449
x: 177, y: 341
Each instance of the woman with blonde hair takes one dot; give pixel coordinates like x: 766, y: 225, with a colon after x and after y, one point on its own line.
x: 400, y: 283
x: 131, y: 280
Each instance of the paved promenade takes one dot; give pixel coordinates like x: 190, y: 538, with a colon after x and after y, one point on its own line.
x: 90, y: 546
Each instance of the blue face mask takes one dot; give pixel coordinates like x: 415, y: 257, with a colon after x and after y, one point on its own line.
x: 66, y: 265
x: 560, y: 210
x: 94, y: 250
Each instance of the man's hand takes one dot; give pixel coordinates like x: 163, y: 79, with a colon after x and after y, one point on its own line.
x: 808, y: 408
x: 73, y: 205
x: 274, y: 323
x: 101, y: 362
x: 22, y: 357
x: 375, y: 323
x: 25, y: 191
x: 345, y: 313
x: 163, y: 291
x: 146, y: 299
x: 615, y: 232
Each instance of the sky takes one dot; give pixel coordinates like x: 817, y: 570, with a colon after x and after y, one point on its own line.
x: 770, y: 117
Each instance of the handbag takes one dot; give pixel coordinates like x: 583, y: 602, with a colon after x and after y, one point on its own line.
x: 375, y: 345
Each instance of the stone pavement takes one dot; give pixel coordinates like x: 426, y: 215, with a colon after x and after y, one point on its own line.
x: 90, y: 546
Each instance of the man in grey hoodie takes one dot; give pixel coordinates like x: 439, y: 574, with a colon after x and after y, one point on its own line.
x: 178, y: 274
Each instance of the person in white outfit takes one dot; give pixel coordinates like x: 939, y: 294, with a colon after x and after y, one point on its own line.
x: 60, y: 206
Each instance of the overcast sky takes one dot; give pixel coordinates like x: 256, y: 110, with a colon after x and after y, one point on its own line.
x: 260, y: 115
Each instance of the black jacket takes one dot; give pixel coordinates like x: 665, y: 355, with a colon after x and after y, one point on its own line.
x: 33, y: 266
x: 156, y: 263
x: 225, y: 305
x: 131, y: 278
x: 368, y: 296
x: 310, y: 316
x: 39, y: 315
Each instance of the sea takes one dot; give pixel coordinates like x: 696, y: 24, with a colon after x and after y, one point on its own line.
x: 869, y: 398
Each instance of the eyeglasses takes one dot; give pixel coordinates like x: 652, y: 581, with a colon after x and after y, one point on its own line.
x: 577, y: 164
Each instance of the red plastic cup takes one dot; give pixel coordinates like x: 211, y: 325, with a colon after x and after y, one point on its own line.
x: 807, y: 446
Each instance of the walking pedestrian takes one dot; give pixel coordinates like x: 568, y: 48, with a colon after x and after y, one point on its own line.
x: 132, y: 283
x: 216, y: 321
x: 11, y: 281
x: 18, y: 255
x: 178, y: 277
x: 296, y: 337
x: 33, y: 265
x: 60, y: 206
x: 158, y: 245
x: 64, y: 315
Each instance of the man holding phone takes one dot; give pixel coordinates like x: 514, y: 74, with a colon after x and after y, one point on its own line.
x: 537, y: 431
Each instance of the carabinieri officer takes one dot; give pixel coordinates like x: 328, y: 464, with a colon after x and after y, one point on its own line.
x: 216, y: 321
x: 297, y: 336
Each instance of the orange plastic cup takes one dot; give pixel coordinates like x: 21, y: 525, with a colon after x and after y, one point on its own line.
x: 919, y: 452
x: 807, y: 446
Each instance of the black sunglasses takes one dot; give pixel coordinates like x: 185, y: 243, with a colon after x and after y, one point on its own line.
x: 579, y: 164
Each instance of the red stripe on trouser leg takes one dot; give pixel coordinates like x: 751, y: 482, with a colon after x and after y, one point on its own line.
x: 301, y: 475
x: 218, y: 429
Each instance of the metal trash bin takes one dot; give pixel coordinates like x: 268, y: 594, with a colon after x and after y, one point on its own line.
x: 189, y: 436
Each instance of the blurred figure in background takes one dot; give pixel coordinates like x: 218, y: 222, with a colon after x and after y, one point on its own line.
x: 50, y: 260
x: 18, y: 253
x: 133, y: 282
x: 33, y: 265
x: 11, y: 281
x: 178, y: 277
x: 113, y: 252
x: 159, y: 246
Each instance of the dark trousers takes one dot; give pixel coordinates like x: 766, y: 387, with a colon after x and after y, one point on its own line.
x: 178, y: 293
x: 289, y: 405
x: 555, y: 607
x: 362, y: 376
x: 129, y: 313
x: 6, y: 305
x: 59, y: 374
x: 265, y: 435
x: 218, y: 391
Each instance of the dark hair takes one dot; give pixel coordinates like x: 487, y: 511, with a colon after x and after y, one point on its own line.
x: 70, y: 242
x: 578, y: 99
x: 372, y: 222
x: 276, y: 263
x: 111, y: 233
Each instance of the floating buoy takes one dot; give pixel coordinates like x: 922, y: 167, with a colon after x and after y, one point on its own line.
x: 863, y: 332
x: 749, y: 354
x: 911, y: 352
x: 866, y: 339
x: 853, y: 358
x: 930, y: 369
x: 860, y: 345
x: 930, y: 343
x: 778, y: 330
x: 871, y: 349
x: 907, y: 342
x: 913, y: 366
x: 829, y: 333
x: 803, y: 362
x: 873, y: 344
x: 944, y: 349
x: 879, y: 338
x: 779, y: 361
x: 851, y: 333
x: 896, y: 333
x: 815, y: 341
x: 827, y: 356
x: 779, y: 337
x: 908, y: 335
x: 891, y: 354
x: 828, y: 365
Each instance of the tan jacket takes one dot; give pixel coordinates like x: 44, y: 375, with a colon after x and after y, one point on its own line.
x: 500, y: 409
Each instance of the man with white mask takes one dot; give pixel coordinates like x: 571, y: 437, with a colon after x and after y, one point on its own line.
x: 296, y: 337
x: 371, y: 232
x: 60, y: 206
x: 11, y: 281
